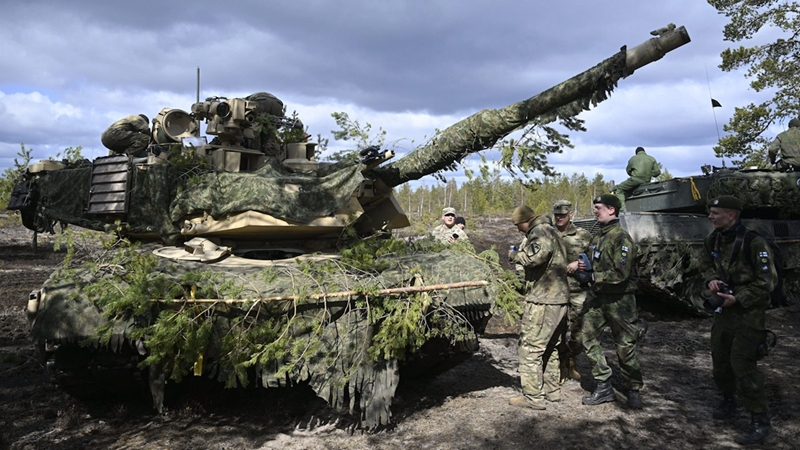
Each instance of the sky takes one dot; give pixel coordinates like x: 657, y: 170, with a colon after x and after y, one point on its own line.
x: 70, y: 69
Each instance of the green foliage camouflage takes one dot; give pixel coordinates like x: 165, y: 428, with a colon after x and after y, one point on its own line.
x: 278, y: 330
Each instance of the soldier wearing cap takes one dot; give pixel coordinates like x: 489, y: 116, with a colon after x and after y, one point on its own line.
x: 447, y: 232
x: 740, y: 322
x: 544, y: 260
x: 611, y: 301
x: 641, y: 168
x: 788, y: 145
x: 576, y: 241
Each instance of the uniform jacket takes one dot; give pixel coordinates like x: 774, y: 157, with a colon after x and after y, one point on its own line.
x: 642, y: 167
x: 577, y: 241
x: 613, y: 256
x: 544, y: 258
x: 752, y: 275
x: 788, y: 143
x: 442, y: 233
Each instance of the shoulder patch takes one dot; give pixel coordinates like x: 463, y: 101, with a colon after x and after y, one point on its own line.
x: 624, y: 248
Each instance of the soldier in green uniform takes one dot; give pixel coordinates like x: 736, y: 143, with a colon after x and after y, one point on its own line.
x: 544, y: 259
x: 129, y: 135
x: 739, y: 323
x: 577, y: 241
x: 788, y: 144
x: 641, y: 168
x: 447, y: 232
x: 612, y: 302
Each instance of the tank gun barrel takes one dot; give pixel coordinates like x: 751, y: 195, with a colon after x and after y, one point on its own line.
x: 567, y: 99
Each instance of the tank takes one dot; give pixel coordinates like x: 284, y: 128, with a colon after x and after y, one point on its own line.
x: 669, y: 220
x: 255, y: 263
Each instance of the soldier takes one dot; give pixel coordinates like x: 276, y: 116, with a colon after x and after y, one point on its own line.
x: 267, y: 139
x: 641, y: 168
x: 742, y: 275
x: 788, y: 144
x: 544, y: 259
x: 461, y: 222
x: 129, y: 135
x: 447, y: 232
x: 612, y: 302
x: 576, y: 241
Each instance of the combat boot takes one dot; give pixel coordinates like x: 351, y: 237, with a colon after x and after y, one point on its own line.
x: 726, y: 409
x: 603, y: 393
x: 524, y: 402
x: 573, y: 370
x: 760, y: 431
x: 634, y: 400
x: 554, y: 396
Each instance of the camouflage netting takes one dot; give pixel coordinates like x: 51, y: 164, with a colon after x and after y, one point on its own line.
x: 273, y: 189
x: 159, y: 202
x: 337, y: 365
x: 483, y: 129
x: 772, y: 189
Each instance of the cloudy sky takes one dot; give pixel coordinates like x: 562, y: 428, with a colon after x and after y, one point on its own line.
x: 70, y: 69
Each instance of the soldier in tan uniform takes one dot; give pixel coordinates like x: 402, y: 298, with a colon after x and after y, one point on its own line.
x: 544, y: 260
x: 447, y: 232
x: 576, y: 240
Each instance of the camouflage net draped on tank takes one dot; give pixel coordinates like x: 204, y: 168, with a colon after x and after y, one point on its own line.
x: 335, y: 344
x: 483, y: 129
x: 777, y: 190
x: 159, y: 200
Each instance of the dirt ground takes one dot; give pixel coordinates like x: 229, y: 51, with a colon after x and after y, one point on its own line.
x: 464, y: 408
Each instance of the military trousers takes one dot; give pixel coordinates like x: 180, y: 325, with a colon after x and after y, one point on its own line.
x: 571, y: 346
x: 734, y: 353
x: 120, y: 140
x: 619, y: 313
x: 540, y: 333
x: 626, y: 188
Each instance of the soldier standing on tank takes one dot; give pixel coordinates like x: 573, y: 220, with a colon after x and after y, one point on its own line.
x: 612, y: 302
x: 129, y: 135
x: 641, y: 168
x: 788, y: 144
x: 739, y: 324
x: 447, y: 232
x: 576, y: 240
x: 544, y: 259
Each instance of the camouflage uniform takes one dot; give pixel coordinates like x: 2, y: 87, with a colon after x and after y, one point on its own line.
x: 612, y: 302
x: 577, y: 241
x: 739, y: 329
x: 544, y: 258
x: 788, y: 144
x: 641, y: 168
x: 442, y: 233
x: 129, y: 135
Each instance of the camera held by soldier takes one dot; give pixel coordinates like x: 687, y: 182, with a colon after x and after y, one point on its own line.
x: 715, y: 300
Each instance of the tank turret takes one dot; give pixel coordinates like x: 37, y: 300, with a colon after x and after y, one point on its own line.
x: 247, y: 235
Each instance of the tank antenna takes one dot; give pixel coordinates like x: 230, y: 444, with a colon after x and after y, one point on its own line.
x: 714, y: 104
x: 198, y: 94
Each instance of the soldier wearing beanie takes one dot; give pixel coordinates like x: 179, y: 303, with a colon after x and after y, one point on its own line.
x: 611, y: 301
x: 641, y: 168
x: 447, y: 232
x: 738, y: 266
x: 788, y: 145
x: 543, y: 258
x: 576, y: 240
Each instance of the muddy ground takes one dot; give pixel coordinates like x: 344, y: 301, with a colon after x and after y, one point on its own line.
x: 465, y: 408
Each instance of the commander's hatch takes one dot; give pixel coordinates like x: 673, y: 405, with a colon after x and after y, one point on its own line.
x: 110, y: 185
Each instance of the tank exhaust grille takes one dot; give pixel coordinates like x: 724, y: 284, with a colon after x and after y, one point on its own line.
x: 780, y: 229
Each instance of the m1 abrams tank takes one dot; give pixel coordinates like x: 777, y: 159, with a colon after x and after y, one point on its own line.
x: 240, y: 276
x: 669, y: 220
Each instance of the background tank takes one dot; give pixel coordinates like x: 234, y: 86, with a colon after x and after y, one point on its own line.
x: 258, y: 230
x: 669, y: 220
